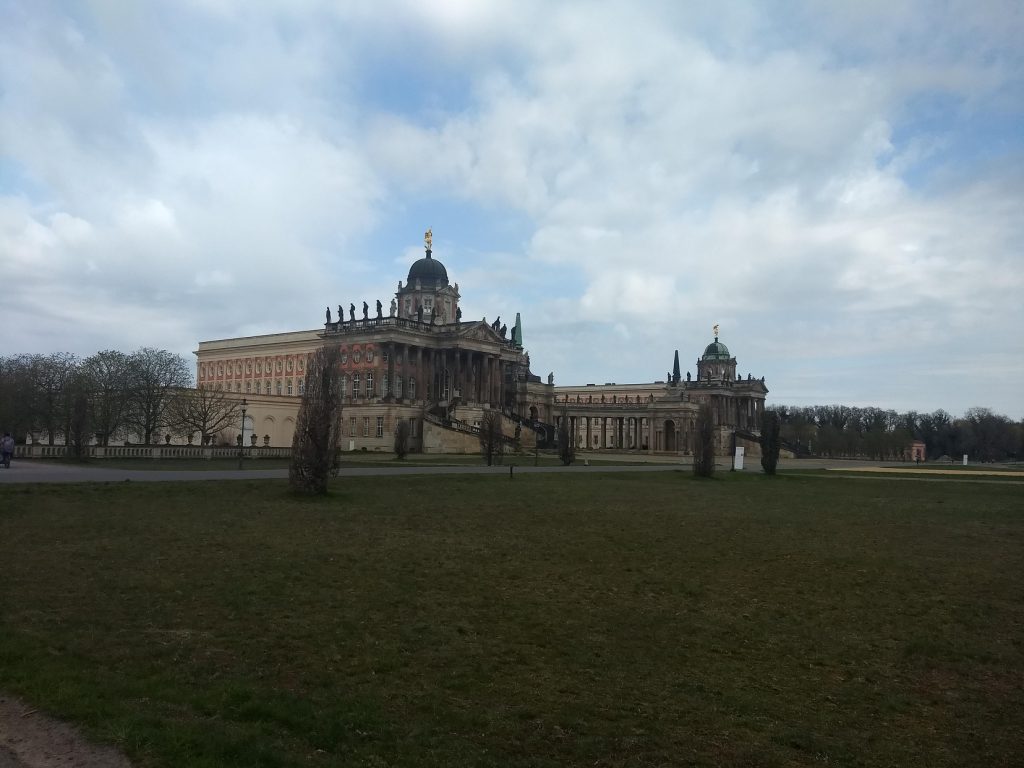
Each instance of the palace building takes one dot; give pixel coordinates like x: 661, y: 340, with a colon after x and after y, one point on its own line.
x: 423, y: 363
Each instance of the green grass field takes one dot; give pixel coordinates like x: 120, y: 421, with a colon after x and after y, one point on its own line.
x: 553, y: 620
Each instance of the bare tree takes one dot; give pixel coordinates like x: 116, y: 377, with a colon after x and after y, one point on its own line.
x: 77, y: 395
x: 51, y: 375
x: 704, y: 448
x: 107, y: 377
x: 401, y: 438
x: 770, y: 442
x: 203, y: 410
x: 566, y: 450
x: 16, y: 404
x: 153, y: 375
x: 318, y: 426
x: 492, y: 439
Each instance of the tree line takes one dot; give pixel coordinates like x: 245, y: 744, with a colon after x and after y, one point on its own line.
x: 839, y: 431
x: 109, y: 396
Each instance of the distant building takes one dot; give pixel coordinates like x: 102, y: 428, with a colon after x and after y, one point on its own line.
x: 421, y: 362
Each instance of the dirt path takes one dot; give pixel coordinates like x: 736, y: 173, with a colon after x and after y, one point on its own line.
x: 31, y: 739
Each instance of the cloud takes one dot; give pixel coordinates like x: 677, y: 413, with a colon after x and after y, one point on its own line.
x: 809, y: 176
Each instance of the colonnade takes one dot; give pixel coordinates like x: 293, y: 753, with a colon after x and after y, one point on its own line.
x: 472, y: 376
x: 651, y: 432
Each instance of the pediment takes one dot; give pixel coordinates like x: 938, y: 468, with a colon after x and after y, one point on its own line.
x: 479, y: 331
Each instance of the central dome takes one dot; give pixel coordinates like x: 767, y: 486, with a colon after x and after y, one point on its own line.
x: 716, y: 350
x: 429, y: 271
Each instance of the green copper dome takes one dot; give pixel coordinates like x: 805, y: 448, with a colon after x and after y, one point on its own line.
x: 716, y: 350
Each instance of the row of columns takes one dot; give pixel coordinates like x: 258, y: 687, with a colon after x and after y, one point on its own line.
x: 629, y: 432
x: 476, y: 376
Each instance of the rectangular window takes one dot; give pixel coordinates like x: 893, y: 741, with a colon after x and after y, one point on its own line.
x: 352, y: 427
x: 366, y: 426
x: 355, y: 385
x: 380, y: 426
x: 370, y: 392
x: 384, y: 356
x: 412, y: 388
x: 302, y: 386
x: 384, y: 385
x: 279, y: 387
x: 267, y: 387
x: 289, y: 386
x: 248, y: 387
x: 412, y: 427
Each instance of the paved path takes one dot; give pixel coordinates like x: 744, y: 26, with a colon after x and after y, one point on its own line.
x: 41, y: 471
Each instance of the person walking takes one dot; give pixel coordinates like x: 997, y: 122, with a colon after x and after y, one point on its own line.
x: 6, y: 449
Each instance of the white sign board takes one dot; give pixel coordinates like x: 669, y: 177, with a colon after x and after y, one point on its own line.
x: 737, y: 461
x: 965, y: 459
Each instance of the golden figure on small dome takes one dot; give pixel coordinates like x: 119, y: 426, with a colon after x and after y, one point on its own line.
x: 715, y: 329
x: 428, y: 238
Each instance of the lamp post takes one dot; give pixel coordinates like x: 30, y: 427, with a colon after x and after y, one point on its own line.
x: 241, y: 438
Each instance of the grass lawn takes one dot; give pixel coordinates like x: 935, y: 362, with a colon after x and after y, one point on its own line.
x: 598, y: 620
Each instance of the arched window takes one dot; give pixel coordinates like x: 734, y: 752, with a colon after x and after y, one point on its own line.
x: 248, y: 387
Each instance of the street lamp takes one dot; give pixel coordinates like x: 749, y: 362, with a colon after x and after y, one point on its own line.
x: 241, y: 438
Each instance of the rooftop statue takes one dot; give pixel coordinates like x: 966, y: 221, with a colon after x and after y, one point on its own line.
x: 328, y: 314
x: 428, y: 239
x: 351, y: 311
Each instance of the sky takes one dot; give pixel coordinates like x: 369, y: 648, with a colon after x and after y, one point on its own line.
x: 838, y: 186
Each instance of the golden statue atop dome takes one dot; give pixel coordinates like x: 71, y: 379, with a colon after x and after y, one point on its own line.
x: 428, y: 238
x: 715, y: 329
